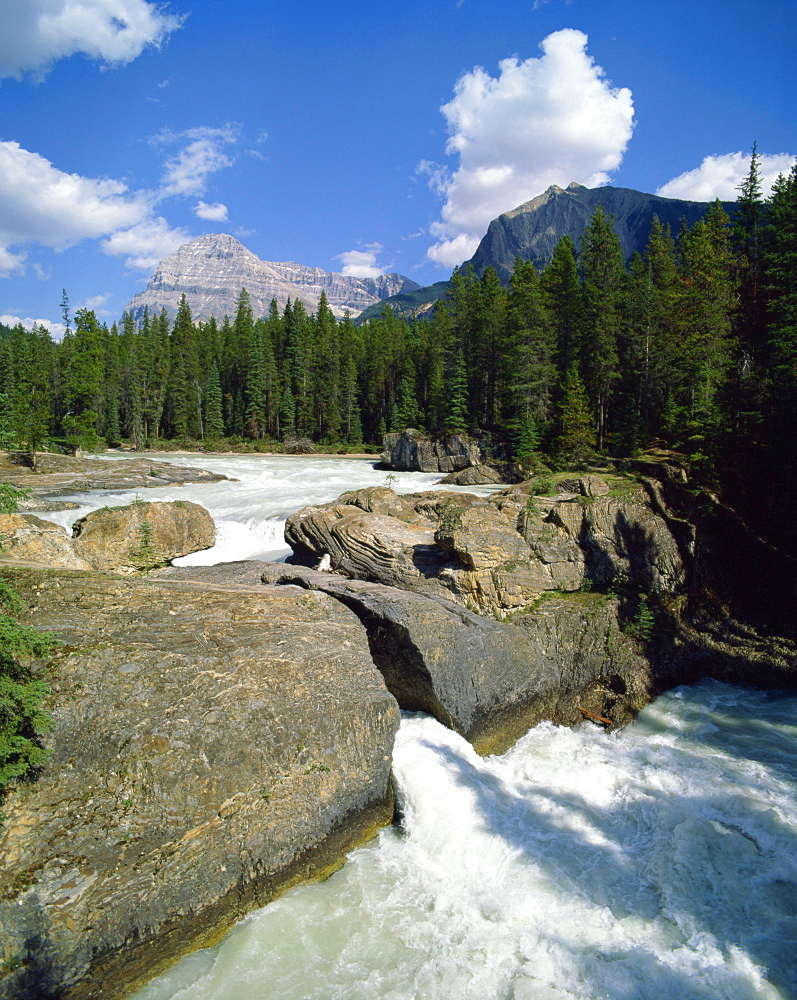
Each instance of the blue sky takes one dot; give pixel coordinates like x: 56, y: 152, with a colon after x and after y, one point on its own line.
x: 360, y: 137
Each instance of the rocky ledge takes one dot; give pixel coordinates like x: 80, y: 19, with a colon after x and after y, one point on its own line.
x: 58, y: 475
x: 499, y: 553
x: 212, y: 746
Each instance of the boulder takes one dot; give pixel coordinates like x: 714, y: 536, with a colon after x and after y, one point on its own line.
x: 143, y: 535
x: 410, y: 451
x: 488, y: 680
x: 25, y: 538
x: 474, y: 475
x: 212, y: 746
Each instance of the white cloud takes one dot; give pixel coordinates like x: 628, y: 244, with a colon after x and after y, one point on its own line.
x: 41, y: 204
x: 37, y: 33
x: 96, y: 302
x: 44, y: 205
x: 548, y: 120
x: 187, y: 172
x: 56, y: 329
x: 145, y: 243
x: 214, y: 213
x: 361, y: 263
x: 720, y: 177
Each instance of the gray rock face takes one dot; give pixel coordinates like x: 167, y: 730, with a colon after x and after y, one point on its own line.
x: 491, y: 681
x: 496, y: 554
x: 532, y: 230
x: 213, y: 745
x: 410, y: 451
x: 212, y: 270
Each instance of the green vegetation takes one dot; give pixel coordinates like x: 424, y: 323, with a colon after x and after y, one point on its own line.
x: 22, y: 691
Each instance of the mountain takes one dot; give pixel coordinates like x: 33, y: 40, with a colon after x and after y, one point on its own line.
x: 212, y: 270
x: 532, y: 230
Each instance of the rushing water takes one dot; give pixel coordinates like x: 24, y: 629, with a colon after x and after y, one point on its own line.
x: 655, y: 863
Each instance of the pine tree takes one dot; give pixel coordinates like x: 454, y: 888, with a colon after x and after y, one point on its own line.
x: 457, y: 411
x: 603, y: 277
x: 576, y: 442
x: 214, y: 414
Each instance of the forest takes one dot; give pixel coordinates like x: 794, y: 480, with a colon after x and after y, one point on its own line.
x: 692, y: 347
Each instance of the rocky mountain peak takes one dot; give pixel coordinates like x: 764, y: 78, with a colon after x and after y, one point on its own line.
x: 211, y: 271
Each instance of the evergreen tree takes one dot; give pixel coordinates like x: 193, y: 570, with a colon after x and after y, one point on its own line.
x: 457, y: 411
x: 603, y: 278
x: 576, y: 442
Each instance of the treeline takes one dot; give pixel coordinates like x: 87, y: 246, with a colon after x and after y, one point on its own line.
x: 693, y: 345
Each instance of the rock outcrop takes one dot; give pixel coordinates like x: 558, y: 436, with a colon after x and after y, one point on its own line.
x: 410, y: 451
x: 212, y: 746
x: 31, y: 541
x: 136, y: 537
x: 143, y: 535
x: 488, y: 680
x: 211, y: 271
x: 62, y: 474
x: 486, y: 475
x: 499, y: 553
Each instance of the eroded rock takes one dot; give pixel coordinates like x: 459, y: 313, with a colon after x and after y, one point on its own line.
x: 212, y: 746
x: 411, y: 451
x: 499, y: 553
x: 140, y: 536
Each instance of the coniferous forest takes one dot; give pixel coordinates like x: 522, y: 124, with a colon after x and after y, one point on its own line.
x: 693, y: 347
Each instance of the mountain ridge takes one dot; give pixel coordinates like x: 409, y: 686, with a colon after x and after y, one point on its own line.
x: 211, y: 271
x: 532, y: 230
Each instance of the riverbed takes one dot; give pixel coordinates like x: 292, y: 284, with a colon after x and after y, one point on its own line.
x: 658, y: 861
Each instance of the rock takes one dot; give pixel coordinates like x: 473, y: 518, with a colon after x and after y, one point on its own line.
x: 140, y: 536
x: 586, y: 486
x: 410, y: 451
x: 63, y: 474
x: 475, y: 475
x: 499, y: 553
x: 25, y: 538
x: 491, y: 681
x: 212, y: 746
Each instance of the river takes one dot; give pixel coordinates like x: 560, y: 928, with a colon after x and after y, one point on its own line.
x: 654, y: 863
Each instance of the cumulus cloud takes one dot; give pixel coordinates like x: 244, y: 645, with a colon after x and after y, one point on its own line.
x: 187, y: 172
x: 720, y: 176
x: 361, y: 263
x: 213, y: 213
x: 57, y: 330
x: 547, y: 120
x: 37, y: 33
x: 41, y: 204
x: 144, y: 244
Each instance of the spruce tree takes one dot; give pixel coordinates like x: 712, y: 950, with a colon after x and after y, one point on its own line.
x: 577, y: 439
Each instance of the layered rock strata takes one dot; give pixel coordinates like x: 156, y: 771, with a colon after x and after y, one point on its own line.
x: 212, y: 746
x: 499, y: 553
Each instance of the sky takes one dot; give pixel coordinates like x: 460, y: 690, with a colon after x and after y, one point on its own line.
x: 357, y: 137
